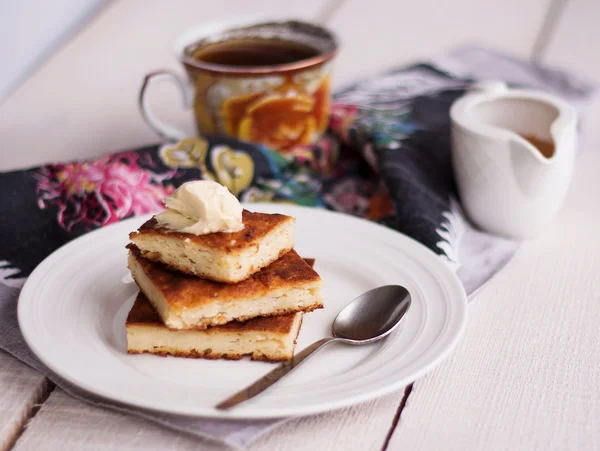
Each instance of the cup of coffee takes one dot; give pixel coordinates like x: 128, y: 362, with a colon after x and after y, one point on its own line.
x: 264, y: 82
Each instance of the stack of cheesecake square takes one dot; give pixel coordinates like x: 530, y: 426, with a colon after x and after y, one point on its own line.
x: 220, y: 295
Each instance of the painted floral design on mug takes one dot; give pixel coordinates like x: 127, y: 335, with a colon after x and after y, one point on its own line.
x: 284, y: 118
x: 281, y: 112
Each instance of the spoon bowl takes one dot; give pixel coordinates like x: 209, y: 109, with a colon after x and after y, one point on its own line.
x: 368, y: 318
x: 372, y: 315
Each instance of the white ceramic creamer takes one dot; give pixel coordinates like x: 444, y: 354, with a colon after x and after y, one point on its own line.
x: 507, y: 185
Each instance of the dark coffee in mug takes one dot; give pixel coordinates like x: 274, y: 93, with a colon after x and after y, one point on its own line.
x: 254, y: 52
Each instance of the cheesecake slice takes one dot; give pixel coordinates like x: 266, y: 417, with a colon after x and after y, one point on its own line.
x: 223, y: 257
x: 271, y: 339
x: 183, y: 301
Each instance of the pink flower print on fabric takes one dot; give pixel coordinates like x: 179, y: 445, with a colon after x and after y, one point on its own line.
x: 101, y: 192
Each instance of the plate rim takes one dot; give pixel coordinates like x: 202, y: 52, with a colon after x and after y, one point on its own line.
x: 449, y: 281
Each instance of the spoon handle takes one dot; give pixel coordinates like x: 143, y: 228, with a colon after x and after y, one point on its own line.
x: 273, y: 376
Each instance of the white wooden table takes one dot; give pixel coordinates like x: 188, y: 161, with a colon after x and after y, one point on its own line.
x: 526, y: 374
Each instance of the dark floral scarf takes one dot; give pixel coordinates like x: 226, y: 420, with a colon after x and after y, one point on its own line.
x: 386, y: 157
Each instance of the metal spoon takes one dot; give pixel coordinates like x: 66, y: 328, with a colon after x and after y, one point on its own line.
x: 368, y: 318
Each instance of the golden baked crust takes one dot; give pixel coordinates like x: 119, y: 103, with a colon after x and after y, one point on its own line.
x: 143, y: 314
x: 256, y: 227
x: 183, y: 291
x: 208, y: 354
x: 223, y: 257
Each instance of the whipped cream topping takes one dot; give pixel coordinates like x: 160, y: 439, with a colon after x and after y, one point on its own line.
x: 201, y: 207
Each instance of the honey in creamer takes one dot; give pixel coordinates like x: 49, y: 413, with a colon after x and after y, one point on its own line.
x: 546, y: 148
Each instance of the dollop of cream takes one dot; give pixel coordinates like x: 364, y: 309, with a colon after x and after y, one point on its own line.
x: 201, y: 207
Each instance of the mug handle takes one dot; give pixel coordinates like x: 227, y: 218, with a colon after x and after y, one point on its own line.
x: 165, y: 130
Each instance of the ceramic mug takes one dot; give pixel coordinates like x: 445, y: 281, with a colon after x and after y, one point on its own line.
x: 513, y: 152
x: 278, y: 105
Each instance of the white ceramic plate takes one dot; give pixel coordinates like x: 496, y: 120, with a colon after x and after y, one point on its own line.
x: 73, y: 307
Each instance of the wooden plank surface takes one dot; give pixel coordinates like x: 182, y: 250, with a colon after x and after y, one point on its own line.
x: 21, y: 388
x: 572, y: 45
x: 391, y: 33
x: 66, y: 423
x: 48, y: 24
x: 525, y: 376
